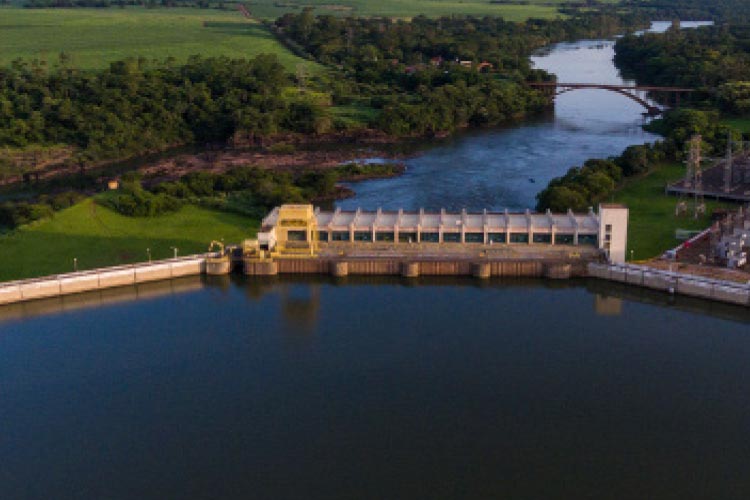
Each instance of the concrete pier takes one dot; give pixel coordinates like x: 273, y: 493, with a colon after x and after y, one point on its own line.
x: 339, y: 269
x: 410, y: 269
x: 481, y: 270
x: 217, y: 266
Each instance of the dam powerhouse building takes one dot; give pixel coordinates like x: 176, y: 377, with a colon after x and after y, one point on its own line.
x: 303, y: 229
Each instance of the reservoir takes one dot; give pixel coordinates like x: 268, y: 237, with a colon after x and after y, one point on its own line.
x: 375, y: 389
x: 382, y: 388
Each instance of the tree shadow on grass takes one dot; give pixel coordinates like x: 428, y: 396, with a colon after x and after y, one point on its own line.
x: 238, y: 29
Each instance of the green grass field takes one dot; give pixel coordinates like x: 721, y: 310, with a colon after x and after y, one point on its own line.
x: 97, y: 237
x: 740, y: 124
x: 95, y: 37
x: 652, y: 219
x: 271, y: 9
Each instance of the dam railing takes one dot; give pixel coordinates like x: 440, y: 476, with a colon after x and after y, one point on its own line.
x: 673, y: 282
x: 97, y: 279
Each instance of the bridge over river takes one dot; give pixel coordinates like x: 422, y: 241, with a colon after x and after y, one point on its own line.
x: 637, y: 93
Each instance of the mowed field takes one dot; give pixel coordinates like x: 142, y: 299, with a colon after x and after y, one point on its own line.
x: 97, y: 237
x: 96, y: 37
x: 652, y: 218
x: 512, y: 10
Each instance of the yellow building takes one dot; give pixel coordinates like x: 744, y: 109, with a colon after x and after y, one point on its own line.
x: 294, y: 231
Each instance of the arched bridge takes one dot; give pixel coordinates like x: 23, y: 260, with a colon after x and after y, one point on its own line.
x: 634, y: 92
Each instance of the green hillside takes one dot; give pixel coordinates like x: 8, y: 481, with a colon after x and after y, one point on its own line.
x: 97, y: 236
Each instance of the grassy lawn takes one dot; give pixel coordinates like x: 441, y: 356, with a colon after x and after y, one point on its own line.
x: 95, y: 37
x: 354, y: 114
x: 652, y: 219
x: 97, y: 236
x: 740, y: 124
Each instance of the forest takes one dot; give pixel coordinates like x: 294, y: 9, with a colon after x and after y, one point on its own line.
x: 430, y: 76
x: 714, y: 60
x: 137, y: 106
x: 714, y: 10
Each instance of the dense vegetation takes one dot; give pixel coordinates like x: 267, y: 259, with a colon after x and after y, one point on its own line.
x: 717, y: 10
x: 436, y: 75
x: 715, y: 60
x: 14, y: 214
x: 245, y: 190
x: 136, y: 106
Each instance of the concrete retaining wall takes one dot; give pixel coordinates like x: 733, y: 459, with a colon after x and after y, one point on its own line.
x: 673, y: 282
x: 413, y: 267
x: 98, y: 279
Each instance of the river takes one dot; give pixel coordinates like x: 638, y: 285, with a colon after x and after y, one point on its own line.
x: 384, y: 388
x: 497, y: 169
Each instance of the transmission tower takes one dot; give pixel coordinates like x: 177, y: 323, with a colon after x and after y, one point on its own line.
x: 695, y: 175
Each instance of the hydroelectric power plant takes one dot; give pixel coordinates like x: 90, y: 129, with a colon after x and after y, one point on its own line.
x: 301, y: 239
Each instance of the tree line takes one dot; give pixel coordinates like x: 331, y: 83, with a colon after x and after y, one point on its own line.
x: 713, y: 10
x: 715, y: 60
x: 429, y: 76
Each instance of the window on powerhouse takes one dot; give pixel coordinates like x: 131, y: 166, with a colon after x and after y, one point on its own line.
x: 296, y: 235
x: 588, y: 239
x: 564, y: 239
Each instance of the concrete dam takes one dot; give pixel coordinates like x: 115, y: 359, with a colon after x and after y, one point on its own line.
x: 299, y: 239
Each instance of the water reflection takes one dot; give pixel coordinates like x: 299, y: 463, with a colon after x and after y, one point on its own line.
x: 297, y: 300
x: 102, y: 298
x: 607, y: 305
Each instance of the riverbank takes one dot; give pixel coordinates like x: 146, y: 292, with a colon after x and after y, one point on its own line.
x: 284, y: 152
